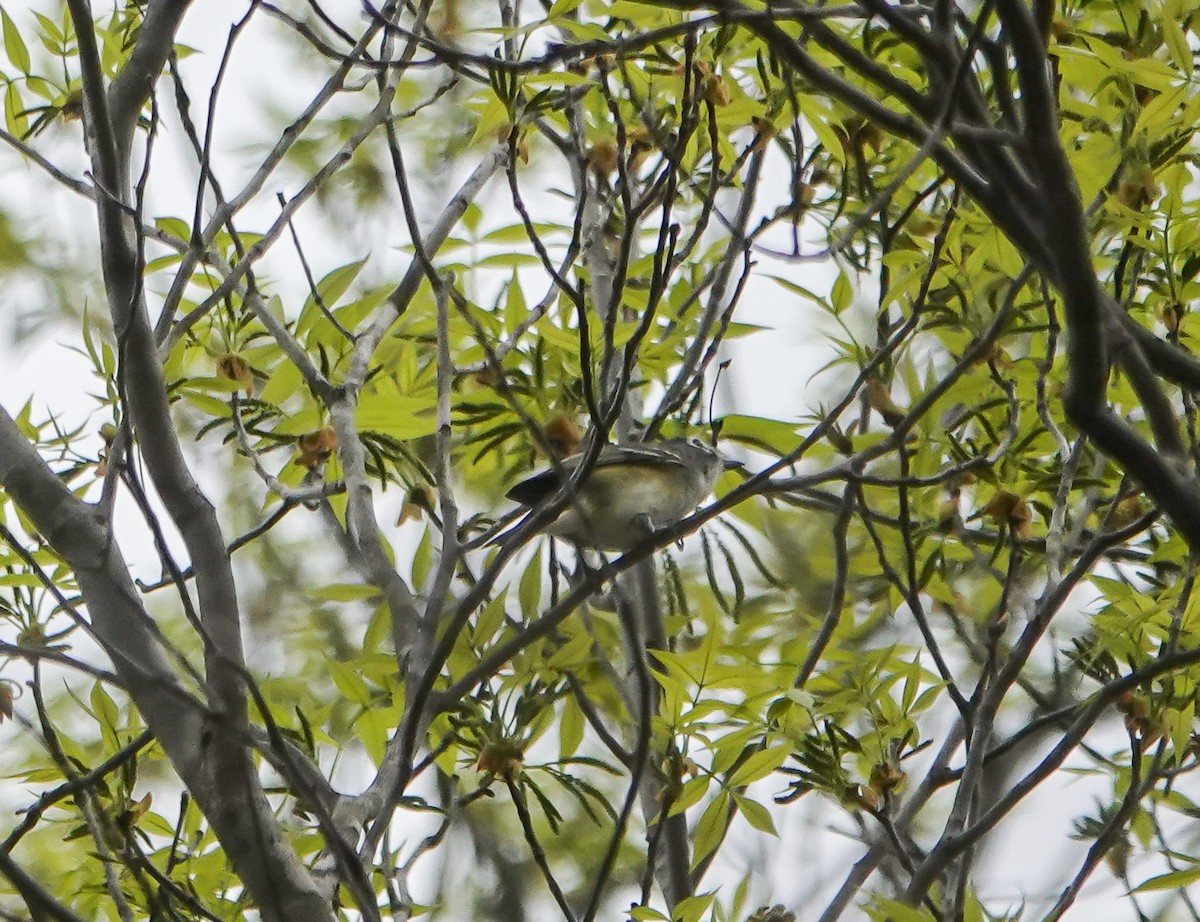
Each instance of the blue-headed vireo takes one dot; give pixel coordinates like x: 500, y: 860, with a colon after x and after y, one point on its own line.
x: 633, y: 491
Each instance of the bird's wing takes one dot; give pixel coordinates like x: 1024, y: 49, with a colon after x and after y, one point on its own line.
x: 532, y: 490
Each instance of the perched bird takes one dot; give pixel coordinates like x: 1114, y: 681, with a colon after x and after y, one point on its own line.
x: 633, y: 491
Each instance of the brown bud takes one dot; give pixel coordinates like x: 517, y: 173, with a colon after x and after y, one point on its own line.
x: 869, y: 136
x: 1127, y: 511
x: 861, y: 798
x: 564, y: 436
x: 886, y: 776
x: 641, y: 143
x: 716, y: 91
x: 137, y: 810
x: 764, y: 130
x: 857, y: 135
x: 1137, y: 187
x: 602, y: 156
x: 995, y: 354
x: 948, y: 519
x: 447, y: 24
x: 1117, y: 857
x: 418, y: 502
x: 1146, y: 730
x: 314, y: 448
x: 1008, y: 507
x: 699, y: 68
x: 840, y: 441
x: 842, y: 135
x: 922, y: 225
x: 880, y: 400
x: 489, y: 376
x: 776, y: 913
x: 502, y: 758
x: 232, y: 367
x: 1172, y: 315
x: 32, y: 636
x: 1133, y: 705
x: 72, y: 106
x: 521, y: 144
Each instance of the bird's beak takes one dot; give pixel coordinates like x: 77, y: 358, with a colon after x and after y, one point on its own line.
x: 730, y: 464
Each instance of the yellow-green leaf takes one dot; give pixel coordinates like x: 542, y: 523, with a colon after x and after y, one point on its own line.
x: 1172, y: 881
x: 711, y: 828
x: 14, y: 45
x: 759, y: 765
x: 756, y: 814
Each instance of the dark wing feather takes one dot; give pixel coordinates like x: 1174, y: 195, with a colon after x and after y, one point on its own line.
x: 532, y: 490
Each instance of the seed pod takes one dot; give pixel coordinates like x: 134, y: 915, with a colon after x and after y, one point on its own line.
x: 232, y: 367
x: 315, y: 447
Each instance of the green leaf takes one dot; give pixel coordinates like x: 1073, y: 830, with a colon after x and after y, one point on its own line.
x: 14, y: 45
x: 50, y: 34
x: 284, y: 381
x: 760, y: 433
x: 379, y: 629
x: 729, y: 747
x: 842, y: 295
x: 14, y: 108
x: 386, y: 411
x: 104, y: 707
x: 756, y: 814
x: 759, y: 765
x: 422, y: 558
x: 330, y: 288
x: 153, y: 823
x: 560, y: 78
x: 570, y: 729
x: 210, y: 406
x: 512, y: 259
x: 303, y: 421
x: 373, y: 731
x: 529, y: 591
x: 349, y: 682
x: 1170, y: 881
x: 37, y: 776
x: 516, y: 233
x: 692, y: 792
x: 515, y: 308
x: 563, y: 7
x: 345, y: 592
x: 488, y: 621
x: 799, y: 290
x: 691, y: 908
x: 572, y: 655
x: 1180, y: 723
x: 711, y: 829
x: 896, y: 911
x: 646, y: 914
x: 20, y: 579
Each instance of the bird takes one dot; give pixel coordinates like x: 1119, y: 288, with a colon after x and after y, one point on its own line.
x: 633, y: 491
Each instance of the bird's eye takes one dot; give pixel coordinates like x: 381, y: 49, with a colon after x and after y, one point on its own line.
x: 696, y: 442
